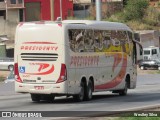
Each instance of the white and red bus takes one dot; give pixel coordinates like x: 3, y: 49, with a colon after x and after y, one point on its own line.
x: 74, y: 58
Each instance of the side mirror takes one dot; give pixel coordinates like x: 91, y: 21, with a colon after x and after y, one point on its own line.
x: 137, y: 37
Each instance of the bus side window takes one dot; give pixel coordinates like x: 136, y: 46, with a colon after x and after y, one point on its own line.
x: 140, y: 51
x: 70, y: 34
x: 106, y: 39
x: 130, y: 35
x: 71, y: 40
x: 154, y: 51
x: 79, y: 40
x: 107, y: 42
x: 134, y: 53
x: 76, y: 40
x: 88, y: 40
x: 98, y: 39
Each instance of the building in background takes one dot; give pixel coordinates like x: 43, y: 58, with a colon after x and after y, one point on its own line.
x: 11, y: 13
x: 81, y: 8
x: 14, y: 11
x: 155, y: 3
x: 149, y: 38
x: 36, y: 10
x: 86, y: 8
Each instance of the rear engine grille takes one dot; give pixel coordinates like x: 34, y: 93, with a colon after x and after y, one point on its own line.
x: 39, y: 56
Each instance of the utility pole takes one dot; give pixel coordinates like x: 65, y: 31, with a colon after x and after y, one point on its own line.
x: 52, y: 9
x: 61, y: 9
x: 98, y: 10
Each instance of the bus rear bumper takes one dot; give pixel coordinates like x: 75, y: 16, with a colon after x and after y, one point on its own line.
x: 59, y: 88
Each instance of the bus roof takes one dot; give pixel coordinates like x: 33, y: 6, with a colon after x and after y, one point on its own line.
x: 94, y: 24
x: 99, y: 24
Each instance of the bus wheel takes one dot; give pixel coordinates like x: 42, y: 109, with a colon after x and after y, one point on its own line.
x: 35, y: 97
x: 80, y: 96
x: 49, y: 98
x: 124, y: 91
x: 89, y: 91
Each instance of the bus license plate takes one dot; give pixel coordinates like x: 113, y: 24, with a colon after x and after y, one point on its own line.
x: 39, y: 87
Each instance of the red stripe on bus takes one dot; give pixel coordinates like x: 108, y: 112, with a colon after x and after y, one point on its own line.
x: 117, y: 60
x: 39, y: 43
x: 118, y: 79
x: 43, y: 73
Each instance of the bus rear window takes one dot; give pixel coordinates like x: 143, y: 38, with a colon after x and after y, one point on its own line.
x: 146, y: 52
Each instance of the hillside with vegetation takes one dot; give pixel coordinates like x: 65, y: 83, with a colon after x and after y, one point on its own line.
x: 139, y: 15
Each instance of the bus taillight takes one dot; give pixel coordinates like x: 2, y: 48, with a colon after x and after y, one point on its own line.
x: 16, y: 72
x: 63, y: 74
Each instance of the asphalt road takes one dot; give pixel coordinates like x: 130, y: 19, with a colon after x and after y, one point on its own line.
x: 146, y: 94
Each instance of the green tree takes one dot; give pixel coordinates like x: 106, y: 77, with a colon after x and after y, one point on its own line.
x: 135, y: 9
x: 152, y: 16
x: 125, y: 2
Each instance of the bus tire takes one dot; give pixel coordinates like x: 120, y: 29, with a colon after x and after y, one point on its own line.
x: 124, y: 91
x: 89, y: 91
x: 80, y: 97
x: 35, y: 97
x: 49, y: 98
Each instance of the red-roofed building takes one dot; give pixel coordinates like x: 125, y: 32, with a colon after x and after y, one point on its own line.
x: 47, y: 9
x: 155, y: 3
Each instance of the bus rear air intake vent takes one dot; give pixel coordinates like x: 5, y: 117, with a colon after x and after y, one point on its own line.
x: 39, y: 56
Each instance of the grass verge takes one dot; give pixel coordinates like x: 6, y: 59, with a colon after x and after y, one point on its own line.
x: 158, y: 72
x: 139, y: 115
x: 2, y: 78
x: 138, y: 118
